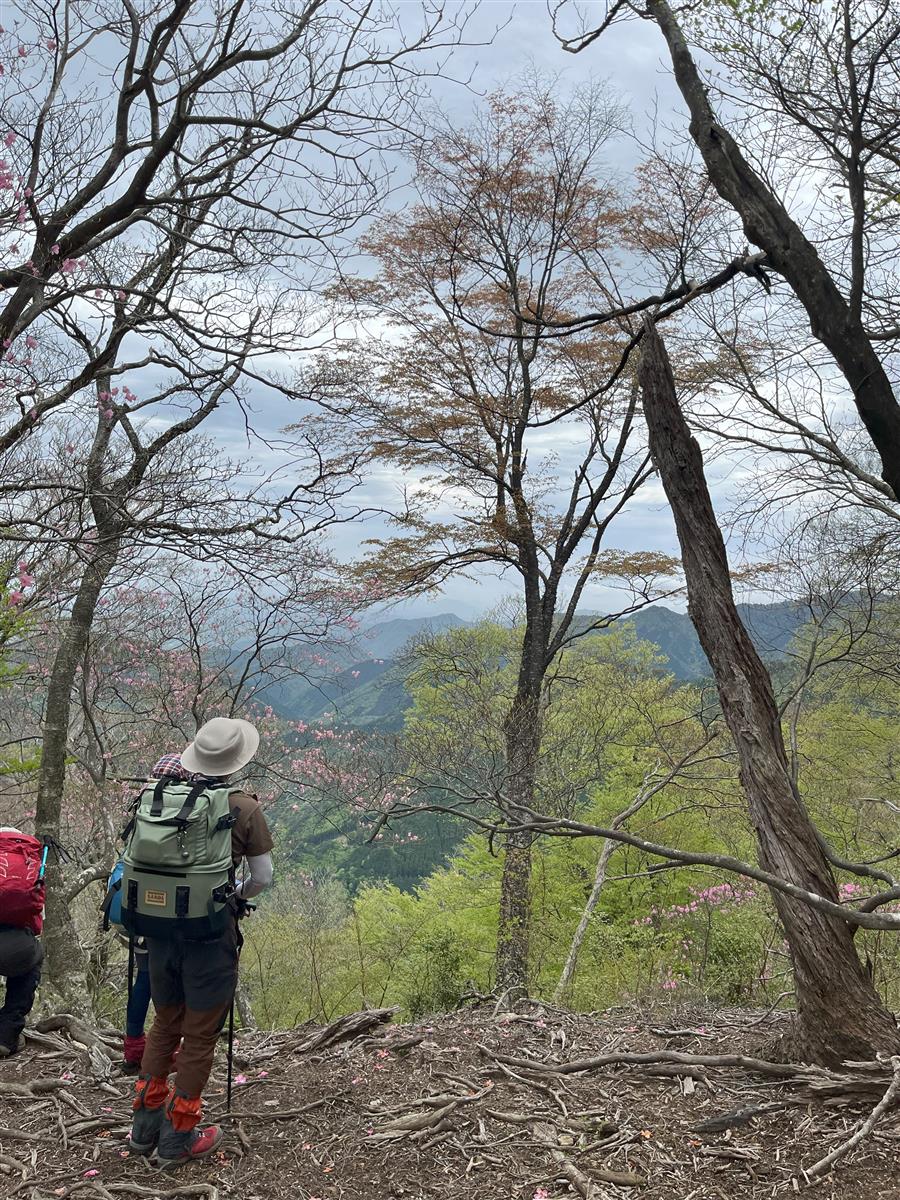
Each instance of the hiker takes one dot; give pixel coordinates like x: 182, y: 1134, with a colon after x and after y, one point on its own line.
x: 138, y: 974
x: 136, y: 1011
x: 21, y: 953
x: 169, y: 766
x: 191, y: 928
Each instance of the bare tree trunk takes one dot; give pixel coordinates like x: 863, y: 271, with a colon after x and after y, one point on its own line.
x: 592, y: 901
x: 523, y: 737
x: 244, y: 1006
x: 67, y: 966
x: 767, y: 223
x: 649, y: 789
x: 839, y: 1013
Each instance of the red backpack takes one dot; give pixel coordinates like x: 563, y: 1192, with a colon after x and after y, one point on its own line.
x: 21, y: 881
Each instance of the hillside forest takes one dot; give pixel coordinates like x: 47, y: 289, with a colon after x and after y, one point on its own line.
x: 278, y: 372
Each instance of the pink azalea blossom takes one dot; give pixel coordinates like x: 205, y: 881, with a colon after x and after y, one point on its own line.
x: 31, y: 342
x: 14, y: 599
x: 9, y: 138
x: 54, y: 249
x: 69, y: 265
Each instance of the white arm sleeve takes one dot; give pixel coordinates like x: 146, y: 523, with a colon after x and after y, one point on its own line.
x: 261, y: 874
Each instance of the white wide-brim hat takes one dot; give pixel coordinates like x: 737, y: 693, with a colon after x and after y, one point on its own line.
x: 221, y: 747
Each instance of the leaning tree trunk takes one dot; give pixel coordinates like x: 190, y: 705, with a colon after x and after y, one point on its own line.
x: 839, y: 1013
x: 523, y: 737
x: 67, y: 965
x: 768, y: 224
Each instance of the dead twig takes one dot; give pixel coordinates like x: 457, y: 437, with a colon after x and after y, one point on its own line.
x: 863, y: 1131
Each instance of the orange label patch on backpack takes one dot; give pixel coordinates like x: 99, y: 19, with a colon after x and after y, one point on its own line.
x: 156, y: 898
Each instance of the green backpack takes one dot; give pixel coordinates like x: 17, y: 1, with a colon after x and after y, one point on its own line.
x: 178, y: 872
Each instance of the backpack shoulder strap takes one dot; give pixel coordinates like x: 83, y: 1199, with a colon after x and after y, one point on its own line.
x: 189, y: 801
x: 156, y: 806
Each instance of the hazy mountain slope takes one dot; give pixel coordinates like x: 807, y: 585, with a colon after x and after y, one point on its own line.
x: 370, y: 691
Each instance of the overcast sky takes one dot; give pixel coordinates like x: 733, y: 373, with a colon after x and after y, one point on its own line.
x: 628, y: 58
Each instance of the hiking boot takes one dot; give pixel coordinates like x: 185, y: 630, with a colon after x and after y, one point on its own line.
x: 177, y: 1147
x: 180, y: 1141
x: 132, y: 1055
x: 149, y: 1109
x: 7, y: 1051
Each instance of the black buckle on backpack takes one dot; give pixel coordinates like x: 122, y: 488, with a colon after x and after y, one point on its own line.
x: 223, y: 893
x: 226, y: 822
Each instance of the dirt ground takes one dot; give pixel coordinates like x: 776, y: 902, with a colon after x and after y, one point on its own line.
x: 425, y: 1112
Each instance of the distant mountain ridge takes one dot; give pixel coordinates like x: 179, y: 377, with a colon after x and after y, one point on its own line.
x: 385, y: 639
x: 370, y: 692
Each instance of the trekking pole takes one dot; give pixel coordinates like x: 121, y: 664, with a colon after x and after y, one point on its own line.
x: 230, y: 1054
x: 245, y: 907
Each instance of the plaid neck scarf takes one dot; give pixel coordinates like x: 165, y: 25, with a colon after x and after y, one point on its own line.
x: 169, y: 766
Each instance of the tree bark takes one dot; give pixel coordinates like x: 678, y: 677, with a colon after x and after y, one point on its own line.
x: 648, y: 790
x: 67, y: 966
x: 578, y: 937
x: 839, y: 1013
x: 244, y: 1006
x: 768, y: 225
x: 523, y: 737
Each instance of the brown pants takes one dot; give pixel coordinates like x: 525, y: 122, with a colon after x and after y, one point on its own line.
x: 192, y: 985
x: 196, y: 1032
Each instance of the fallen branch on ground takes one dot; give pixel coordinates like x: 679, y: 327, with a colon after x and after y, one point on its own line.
x: 433, y: 1121
x: 79, y: 1032
x: 855, y: 1081
x: 346, y: 1028
x: 886, y: 1101
x: 547, y: 1136
x: 36, y: 1089
x: 21, y: 1135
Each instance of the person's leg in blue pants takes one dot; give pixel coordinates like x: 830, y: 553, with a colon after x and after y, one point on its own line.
x: 136, y: 1017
